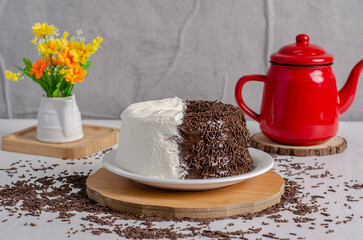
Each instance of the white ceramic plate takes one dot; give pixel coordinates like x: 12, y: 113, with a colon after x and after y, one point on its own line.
x: 262, y: 162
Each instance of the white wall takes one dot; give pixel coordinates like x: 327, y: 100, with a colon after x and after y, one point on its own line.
x: 191, y: 49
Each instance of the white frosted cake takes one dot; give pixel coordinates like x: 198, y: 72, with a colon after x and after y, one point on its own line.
x: 175, y: 139
x: 145, y: 146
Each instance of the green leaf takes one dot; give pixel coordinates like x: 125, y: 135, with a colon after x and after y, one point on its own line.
x: 28, y: 63
x: 86, y: 65
x: 48, y: 80
x: 42, y: 84
x: 57, y: 90
x: 70, y: 90
x: 55, y: 93
x: 20, y: 68
x: 61, y: 84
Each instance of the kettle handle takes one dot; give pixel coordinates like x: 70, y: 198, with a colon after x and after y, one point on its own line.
x: 238, y: 94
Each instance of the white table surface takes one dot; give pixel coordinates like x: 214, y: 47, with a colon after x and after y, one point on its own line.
x: 348, y: 165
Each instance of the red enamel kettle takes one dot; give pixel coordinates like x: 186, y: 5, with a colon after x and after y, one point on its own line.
x: 300, y: 103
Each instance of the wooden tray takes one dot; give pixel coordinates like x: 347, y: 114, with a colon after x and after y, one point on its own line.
x: 95, y: 139
x: 333, y: 146
x: 122, y: 194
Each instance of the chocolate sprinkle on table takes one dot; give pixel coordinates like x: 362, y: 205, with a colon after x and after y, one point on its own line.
x: 64, y: 196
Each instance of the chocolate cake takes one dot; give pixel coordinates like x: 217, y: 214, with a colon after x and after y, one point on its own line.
x: 180, y: 139
x: 214, y: 140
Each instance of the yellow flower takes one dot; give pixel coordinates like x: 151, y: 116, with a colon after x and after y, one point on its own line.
x: 65, y: 34
x: 49, y: 47
x: 64, y: 71
x: 80, y: 52
x: 63, y: 41
x: 41, y: 30
x: 34, y: 40
x: 76, y: 74
x: 9, y: 74
x: 96, y: 43
x: 12, y: 76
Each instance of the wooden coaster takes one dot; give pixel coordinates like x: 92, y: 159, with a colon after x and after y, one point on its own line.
x: 333, y: 146
x: 95, y: 139
x: 122, y: 194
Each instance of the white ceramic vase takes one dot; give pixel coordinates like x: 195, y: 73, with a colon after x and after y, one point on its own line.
x: 59, y: 120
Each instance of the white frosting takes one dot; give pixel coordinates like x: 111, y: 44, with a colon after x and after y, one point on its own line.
x: 147, y: 144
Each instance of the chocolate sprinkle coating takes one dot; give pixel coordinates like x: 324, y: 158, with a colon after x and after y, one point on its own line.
x: 214, y: 140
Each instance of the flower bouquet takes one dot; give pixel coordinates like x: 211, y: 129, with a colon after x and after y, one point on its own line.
x: 63, y: 63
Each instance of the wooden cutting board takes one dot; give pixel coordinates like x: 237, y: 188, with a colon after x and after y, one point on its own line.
x: 333, y: 146
x: 122, y: 194
x: 95, y: 139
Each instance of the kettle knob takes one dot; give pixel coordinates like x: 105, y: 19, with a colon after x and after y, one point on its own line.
x: 302, y: 40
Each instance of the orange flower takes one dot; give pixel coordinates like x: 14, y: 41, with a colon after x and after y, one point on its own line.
x: 65, y: 58
x: 38, y: 68
x: 54, y: 60
x: 76, y: 74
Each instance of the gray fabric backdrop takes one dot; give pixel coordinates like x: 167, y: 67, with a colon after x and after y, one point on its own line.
x: 191, y: 49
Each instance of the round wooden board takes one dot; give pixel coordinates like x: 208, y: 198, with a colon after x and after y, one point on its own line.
x: 122, y: 194
x: 333, y: 146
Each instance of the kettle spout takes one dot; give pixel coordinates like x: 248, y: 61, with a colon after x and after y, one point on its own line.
x: 347, y: 93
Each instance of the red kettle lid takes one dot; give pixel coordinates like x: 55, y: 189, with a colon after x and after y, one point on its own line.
x: 302, y: 53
